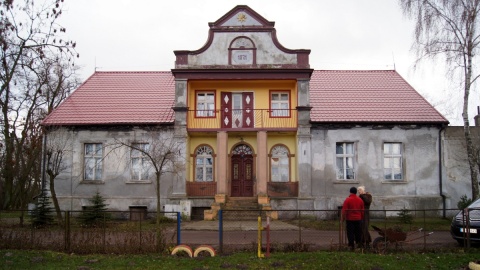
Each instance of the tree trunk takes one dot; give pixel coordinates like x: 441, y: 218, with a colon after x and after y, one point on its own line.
x: 54, y: 198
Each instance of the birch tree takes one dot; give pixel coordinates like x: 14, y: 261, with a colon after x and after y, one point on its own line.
x: 448, y: 29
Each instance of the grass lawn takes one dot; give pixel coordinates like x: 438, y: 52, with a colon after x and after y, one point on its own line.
x: 16, y: 259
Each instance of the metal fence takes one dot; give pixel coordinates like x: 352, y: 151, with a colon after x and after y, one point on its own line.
x: 281, y: 230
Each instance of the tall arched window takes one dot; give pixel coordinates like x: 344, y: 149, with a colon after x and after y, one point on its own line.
x: 279, y: 164
x: 204, y: 164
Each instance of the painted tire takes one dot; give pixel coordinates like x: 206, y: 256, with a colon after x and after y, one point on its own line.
x: 474, y: 266
x: 209, y: 249
x: 185, y: 248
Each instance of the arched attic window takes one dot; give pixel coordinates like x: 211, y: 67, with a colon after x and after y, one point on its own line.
x: 242, y: 51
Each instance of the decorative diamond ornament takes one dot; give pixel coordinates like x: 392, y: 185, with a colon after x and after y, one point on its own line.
x: 226, y: 121
x: 226, y: 99
x: 248, y: 121
x: 248, y: 99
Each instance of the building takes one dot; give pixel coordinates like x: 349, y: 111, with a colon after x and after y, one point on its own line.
x: 251, y: 118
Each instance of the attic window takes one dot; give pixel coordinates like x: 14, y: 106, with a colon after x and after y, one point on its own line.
x: 242, y: 51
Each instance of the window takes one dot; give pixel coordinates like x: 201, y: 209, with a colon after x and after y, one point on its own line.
x: 345, y: 161
x: 204, y: 164
x: 205, y: 104
x: 392, y: 161
x: 93, y: 161
x: 280, y: 104
x: 279, y: 164
x: 140, y: 163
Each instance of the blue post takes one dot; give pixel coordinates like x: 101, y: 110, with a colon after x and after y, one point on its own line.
x: 220, y: 230
x: 179, y: 232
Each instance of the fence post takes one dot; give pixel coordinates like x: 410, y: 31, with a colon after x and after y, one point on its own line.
x: 179, y: 223
x: 220, y: 230
x: 424, y: 231
x: 67, y: 231
x: 300, y: 226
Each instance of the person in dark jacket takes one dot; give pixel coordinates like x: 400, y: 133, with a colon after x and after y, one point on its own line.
x: 352, y: 213
x: 367, y: 200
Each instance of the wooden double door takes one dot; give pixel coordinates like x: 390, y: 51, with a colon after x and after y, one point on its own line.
x: 242, y: 173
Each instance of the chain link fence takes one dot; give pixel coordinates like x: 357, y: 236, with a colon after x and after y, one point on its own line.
x: 127, y: 232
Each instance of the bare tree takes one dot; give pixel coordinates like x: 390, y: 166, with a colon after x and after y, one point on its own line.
x: 32, y: 44
x: 156, y: 149
x: 448, y: 29
x: 58, y: 145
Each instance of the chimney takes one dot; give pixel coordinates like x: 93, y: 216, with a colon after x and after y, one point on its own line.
x: 477, y: 117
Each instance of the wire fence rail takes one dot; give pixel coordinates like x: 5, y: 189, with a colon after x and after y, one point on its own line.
x: 127, y: 232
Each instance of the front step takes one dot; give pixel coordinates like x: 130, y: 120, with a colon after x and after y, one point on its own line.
x: 240, y: 208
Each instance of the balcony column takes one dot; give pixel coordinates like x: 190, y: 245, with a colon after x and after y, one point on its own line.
x: 262, y: 163
x: 222, y: 162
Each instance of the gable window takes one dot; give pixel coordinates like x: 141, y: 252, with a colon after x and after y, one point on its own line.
x: 93, y: 155
x: 205, y: 104
x: 140, y: 168
x: 204, y: 164
x: 279, y: 164
x: 392, y: 161
x: 345, y: 154
x: 280, y: 104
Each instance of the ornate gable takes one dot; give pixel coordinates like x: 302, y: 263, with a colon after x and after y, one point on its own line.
x: 242, y: 39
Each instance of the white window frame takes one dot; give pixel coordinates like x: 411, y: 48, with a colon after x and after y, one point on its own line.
x: 389, y: 157
x: 205, y: 105
x: 204, y: 160
x: 140, y: 164
x: 342, y: 173
x: 280, y: 107
x: 280, y: 164
x: 93, y: 162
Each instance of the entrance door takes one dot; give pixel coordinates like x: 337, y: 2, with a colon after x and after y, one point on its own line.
x: 242, y: 172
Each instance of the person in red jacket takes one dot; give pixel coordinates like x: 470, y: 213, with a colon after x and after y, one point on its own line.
x: 352, y: 213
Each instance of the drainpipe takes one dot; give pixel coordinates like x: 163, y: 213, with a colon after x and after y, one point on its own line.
x: 440, y: 175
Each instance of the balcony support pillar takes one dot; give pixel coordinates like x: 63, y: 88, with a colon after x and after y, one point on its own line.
x: 222, y: 162
x: 262, y: 163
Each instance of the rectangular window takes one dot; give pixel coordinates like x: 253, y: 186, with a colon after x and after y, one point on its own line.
x: 280, y: 104
x: 205, y: 104
x: 392, y: 161
x: 345, y: 154
x: 93, y: 155
x: 140, y: 163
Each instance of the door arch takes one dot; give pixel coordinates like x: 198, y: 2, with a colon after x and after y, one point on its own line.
x: 242, y: 171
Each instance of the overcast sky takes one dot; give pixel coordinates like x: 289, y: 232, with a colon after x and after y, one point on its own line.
x: 141, y: 35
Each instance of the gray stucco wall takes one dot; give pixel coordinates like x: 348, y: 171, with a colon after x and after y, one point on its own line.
x: 418, y: 190
x: 116, y: 185
x: 457, y: 181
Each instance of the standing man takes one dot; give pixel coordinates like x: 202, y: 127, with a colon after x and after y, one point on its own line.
x: 352, y: 212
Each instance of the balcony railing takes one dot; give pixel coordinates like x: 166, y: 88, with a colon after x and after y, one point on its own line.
x: 242, y: 119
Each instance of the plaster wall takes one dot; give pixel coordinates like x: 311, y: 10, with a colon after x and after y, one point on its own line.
x: 217, y: 54
x: 116, y: 185
x: 457, y: 180
x: 418, y: 190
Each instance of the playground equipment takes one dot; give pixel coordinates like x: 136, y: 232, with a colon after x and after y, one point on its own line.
x: 191, y: 253
x: 260, y: 229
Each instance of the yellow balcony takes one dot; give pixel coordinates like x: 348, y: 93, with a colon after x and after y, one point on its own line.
x: 264, y: 119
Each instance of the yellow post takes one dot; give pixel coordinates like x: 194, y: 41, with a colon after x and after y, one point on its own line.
x: 260, y: 228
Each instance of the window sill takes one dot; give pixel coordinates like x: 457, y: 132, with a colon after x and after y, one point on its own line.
x: 394, y: 181
x: 349, y: 181
x: 93, y: 182
x: 138, y: 182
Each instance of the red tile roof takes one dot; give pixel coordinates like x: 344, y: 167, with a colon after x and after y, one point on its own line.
x: 108, y: 98
x: 378, y: 96
x: 337, y: 96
